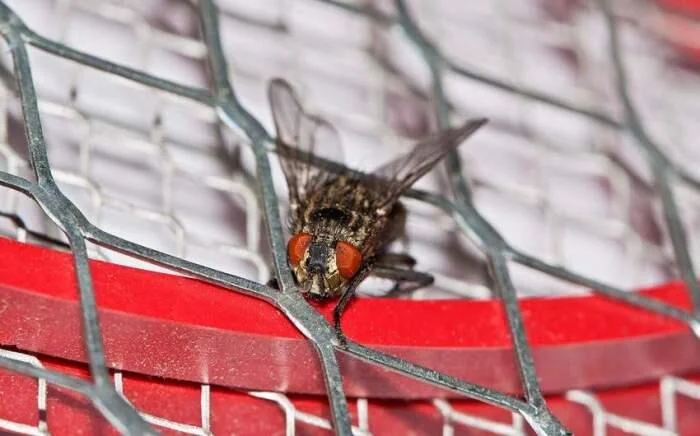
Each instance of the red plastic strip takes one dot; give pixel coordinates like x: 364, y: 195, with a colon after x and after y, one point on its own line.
x: 184, y: 329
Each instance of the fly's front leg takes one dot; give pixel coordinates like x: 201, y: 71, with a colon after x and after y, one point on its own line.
x: 345, y: 298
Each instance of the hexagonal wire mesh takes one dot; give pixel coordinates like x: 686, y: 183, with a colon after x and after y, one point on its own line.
x: 124, y: 88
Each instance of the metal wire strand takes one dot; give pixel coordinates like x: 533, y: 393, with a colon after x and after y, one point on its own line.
x: 661, y: 166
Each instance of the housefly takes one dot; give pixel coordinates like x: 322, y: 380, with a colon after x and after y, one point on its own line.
x: 341, y: 223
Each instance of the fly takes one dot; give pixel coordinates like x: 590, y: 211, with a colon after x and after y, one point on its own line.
x: 342, y: 223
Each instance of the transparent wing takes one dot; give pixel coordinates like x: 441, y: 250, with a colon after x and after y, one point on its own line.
x: 399, y: 174
x: 301, y: 139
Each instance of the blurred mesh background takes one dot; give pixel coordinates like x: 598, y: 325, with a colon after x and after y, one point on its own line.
x: 555, y: 184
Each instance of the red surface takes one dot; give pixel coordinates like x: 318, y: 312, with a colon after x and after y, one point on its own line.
x: 681, y: 28
x: 181, y: 328
x: 238, y: 413
x: 688, y: 7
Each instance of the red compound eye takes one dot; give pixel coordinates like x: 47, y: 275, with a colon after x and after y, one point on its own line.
x: 296, y: 247
x: 347, y: 258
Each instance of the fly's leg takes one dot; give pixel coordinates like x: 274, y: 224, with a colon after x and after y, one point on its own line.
x: 406, y: 280
x: 396, y: 260
x: 399, y: 268
x: 345, y: 298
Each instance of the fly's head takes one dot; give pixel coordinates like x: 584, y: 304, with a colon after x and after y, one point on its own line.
x: 322, y: 265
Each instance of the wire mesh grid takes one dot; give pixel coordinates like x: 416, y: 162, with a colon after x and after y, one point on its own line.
x: 169, y: 126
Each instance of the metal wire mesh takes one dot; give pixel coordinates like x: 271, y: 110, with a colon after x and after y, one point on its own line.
x: 198, y: 138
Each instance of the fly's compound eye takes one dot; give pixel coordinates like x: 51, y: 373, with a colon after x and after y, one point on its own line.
x: 296, y: 247
x: 347, y: 258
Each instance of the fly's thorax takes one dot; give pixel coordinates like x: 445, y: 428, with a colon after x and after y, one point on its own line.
x: 347, y: 210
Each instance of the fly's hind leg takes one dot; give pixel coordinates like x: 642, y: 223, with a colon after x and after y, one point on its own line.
x: 405, y: 280
x: 399, y: 268
x: 396, y: 260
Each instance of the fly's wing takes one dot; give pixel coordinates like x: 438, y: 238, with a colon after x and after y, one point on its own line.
x: 301, y: 138
x: 398, y: 175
